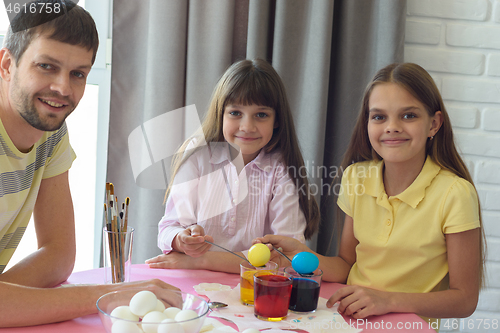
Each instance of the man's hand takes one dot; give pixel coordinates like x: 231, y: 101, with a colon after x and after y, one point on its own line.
x: 35, y: 306
x: 154, y: 285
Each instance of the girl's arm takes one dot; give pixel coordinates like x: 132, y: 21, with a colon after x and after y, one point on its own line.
x: 335, y: 269
x: 177, y: 226
x: 191, y: 241
x: 211, y: 260
x: 341, y: 265
x: 460, y: 300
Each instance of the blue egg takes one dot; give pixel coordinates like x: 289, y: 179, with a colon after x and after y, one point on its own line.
x: 305, y: 262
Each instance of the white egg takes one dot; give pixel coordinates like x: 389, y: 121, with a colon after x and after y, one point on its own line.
x: 251, y: 330
x: 185, y: 315
x: 143, y: 302
x: 123, y: 312
x: 172, y: 327
x: 159, y: 306
x: 190, y: 326
x: 125, y: 327
x: 151, y: 320
x: 171, y: 312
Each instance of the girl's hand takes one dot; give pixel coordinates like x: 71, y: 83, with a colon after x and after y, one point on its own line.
x: 173, y: 260
x: 360, y: 302
x: 289, y: 246
x: 191, y: 241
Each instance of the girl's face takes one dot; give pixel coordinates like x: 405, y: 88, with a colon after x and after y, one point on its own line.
x: 399, y: 124
x: 250, y: 127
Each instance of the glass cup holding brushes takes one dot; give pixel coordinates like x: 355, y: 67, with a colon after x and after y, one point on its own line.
x: 117, y: 239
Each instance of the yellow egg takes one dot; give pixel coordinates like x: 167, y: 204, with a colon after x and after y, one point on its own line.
x: 259, y: 255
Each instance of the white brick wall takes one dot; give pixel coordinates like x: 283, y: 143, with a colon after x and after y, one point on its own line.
x: 458, y: 42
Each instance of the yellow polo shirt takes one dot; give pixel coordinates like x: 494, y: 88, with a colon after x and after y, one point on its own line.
x: 402, y: 245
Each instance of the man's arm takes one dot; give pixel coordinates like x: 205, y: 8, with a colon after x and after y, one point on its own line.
x: 27, y: 306
x: 53, y: 262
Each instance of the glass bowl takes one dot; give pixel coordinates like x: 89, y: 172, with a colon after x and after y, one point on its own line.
x: 170, y: 298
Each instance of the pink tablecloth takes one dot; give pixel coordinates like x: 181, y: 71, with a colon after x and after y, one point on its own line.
x: 186, y: 279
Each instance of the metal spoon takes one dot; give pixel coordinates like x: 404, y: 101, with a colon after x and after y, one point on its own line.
x: 279, y: 251
x: 227, y: 250
x: 216, y: 305
x: 284, y: 255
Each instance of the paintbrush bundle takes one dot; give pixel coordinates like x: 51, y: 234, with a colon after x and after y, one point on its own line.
x: 116, y: 225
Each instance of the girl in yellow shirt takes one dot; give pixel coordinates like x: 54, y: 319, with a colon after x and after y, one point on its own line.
x: 412, y: 239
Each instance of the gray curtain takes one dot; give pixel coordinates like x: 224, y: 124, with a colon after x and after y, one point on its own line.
x: 168, y: 54
x: 367, y: 35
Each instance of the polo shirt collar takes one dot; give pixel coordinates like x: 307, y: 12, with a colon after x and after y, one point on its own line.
x: 373, y: 178
x: 374, y: 182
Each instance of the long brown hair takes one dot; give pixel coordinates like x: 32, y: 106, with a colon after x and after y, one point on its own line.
x: 248, y: 82
x: 441, y: 149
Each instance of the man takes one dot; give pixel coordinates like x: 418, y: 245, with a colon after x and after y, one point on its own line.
x: 43, y: 68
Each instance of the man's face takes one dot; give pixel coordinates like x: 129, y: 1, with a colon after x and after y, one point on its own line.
x: 48, y: 82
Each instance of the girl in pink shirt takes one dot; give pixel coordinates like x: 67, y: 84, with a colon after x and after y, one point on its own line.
x: 243, y: 177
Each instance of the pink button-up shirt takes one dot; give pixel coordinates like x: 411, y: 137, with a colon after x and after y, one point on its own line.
x: 233, y: 202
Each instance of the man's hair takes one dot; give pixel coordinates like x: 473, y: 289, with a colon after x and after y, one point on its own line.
x: 66, y: 23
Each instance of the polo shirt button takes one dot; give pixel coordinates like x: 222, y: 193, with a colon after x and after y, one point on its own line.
x: 232, y: 219
x: 234, y: 200
x: 388, y: 222
x: 236, y: 182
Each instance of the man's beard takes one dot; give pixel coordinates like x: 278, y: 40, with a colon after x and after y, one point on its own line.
x: 26, y: 107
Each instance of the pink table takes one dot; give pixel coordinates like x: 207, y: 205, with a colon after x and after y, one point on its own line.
x: 186, y: 279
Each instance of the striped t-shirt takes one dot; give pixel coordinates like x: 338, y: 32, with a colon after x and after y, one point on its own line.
x: 20, y: 178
